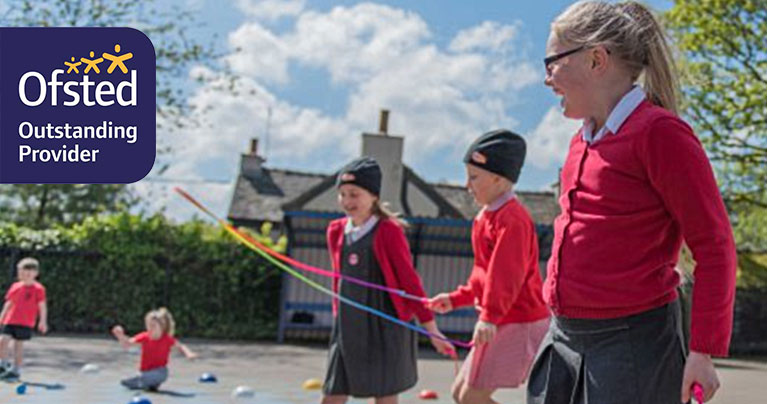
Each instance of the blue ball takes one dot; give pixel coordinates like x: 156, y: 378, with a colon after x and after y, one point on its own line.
x: 21, y: 389
x: 140, y: 400
x: 208, y: 378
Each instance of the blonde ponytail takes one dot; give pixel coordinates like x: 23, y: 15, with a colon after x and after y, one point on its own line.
x: 660, y: 77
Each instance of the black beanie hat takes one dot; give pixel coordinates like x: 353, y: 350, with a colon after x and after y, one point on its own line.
x: 500, y: 151
x: 363, y: 172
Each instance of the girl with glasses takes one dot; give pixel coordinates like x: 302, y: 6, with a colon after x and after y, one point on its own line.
x: 636, y: 183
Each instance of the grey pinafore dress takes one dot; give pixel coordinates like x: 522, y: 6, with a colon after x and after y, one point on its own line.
x: 369, y: 356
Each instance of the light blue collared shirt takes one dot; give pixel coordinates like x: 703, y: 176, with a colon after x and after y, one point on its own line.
x: 500, y: 201
x: 617, y: 116
x: 354, y: 233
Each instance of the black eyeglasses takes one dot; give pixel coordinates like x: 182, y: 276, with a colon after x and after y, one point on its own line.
x: 553, y: 58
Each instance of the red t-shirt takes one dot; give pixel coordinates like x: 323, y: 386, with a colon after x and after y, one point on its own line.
x: 154, y: 352
x: 25, y: 305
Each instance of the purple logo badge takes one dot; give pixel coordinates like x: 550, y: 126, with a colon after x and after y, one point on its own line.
x: 77, y: 105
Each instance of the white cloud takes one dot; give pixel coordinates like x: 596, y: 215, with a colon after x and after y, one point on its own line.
x: 384, y: 57
x: 490, y: 35
x: 232, y: 118
x: 258, y: 53
x: 549, y: 142
x: 356, y: 43
x: 271, y: 9
x: 441, y: 98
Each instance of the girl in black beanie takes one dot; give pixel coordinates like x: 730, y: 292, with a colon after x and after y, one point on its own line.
x: 370, y: 356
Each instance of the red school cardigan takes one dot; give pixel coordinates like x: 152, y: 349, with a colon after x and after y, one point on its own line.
x: 391, y: 250
x: 627, y: 202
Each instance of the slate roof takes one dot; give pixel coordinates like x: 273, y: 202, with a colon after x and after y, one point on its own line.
x: 263, y: 197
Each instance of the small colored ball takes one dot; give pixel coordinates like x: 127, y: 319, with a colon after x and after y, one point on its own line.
x: 140, y: 400
x: 208, y: 378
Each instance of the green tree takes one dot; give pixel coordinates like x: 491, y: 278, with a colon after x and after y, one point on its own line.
x: 41, y: 206
x: 724, y: 81
x: 723, y: 44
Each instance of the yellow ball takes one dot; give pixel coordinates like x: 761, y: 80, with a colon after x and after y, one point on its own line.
x: 312, y: 384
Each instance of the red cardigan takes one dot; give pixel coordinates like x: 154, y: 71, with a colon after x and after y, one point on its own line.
x: 505, y: 281
x: 627, y: 202
x: 392, y: 252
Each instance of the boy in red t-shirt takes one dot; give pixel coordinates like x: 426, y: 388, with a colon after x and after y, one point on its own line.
x: 24, y: 300
x: 156, y: 343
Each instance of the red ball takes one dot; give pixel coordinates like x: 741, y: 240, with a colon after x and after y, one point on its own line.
x: 426, y: 394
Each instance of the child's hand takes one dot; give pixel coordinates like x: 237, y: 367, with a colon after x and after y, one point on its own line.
x: 477, y: 306
x: 42, y: 327
x: 484, y: 332
x: 443, y: 347
x: 440, y: 303
x: 438, y: 339
x: 192, y: 356
x: 118, y: 331
x: 699, y: 368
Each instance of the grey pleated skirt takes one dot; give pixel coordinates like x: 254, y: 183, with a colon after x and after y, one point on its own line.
x: 637, y: 359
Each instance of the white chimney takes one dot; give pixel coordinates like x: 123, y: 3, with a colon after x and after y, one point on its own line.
x: 250, y: 163
x: 387, y: 150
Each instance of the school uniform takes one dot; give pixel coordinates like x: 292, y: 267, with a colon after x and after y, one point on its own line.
x: 505, y: 285
x: 630, y: 194
x: 370, y: 356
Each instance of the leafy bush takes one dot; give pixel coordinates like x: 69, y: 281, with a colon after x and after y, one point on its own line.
x: 111, y: 269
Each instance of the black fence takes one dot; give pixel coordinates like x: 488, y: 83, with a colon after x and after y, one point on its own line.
x: 749, y: 333
x: 442, y: 254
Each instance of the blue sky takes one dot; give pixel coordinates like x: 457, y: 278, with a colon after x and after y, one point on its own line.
x: 447, y: 70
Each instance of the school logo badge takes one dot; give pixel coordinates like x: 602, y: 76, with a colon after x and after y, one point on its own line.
x: 77, y: 105
x: 478, y: 157
x: 354, y: 259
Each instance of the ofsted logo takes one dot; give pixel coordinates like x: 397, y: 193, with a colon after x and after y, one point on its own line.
x: 83, y: 113
x: 101, y: 90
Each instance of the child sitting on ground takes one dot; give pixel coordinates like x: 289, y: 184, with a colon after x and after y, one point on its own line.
x: 156, y: 343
